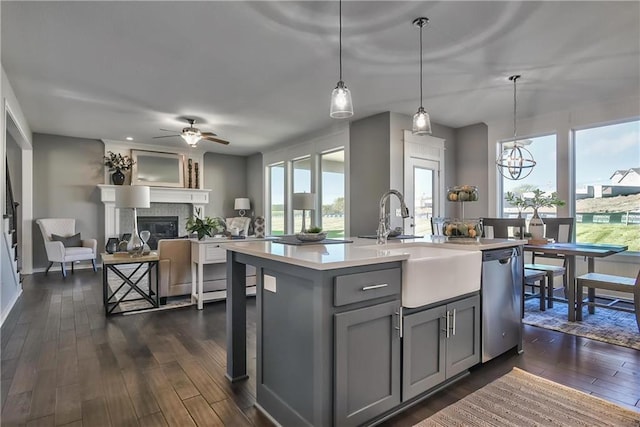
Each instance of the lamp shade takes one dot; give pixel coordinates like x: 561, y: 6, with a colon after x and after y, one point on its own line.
x: 242, y: 203
x: 133, y: 196
x: 306, y: 201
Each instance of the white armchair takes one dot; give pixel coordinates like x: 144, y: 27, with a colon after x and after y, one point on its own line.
x: 57, y: 252
x: 242, y: 223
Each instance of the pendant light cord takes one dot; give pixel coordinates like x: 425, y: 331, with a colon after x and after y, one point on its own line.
x: 421, y: 25
x: 515, y: 134
x: 340, y: 32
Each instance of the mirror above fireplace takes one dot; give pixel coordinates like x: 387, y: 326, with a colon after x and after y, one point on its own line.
x: 157, y: 169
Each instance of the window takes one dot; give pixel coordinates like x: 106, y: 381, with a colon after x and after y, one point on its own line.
x: 607, y: 193
x: 333, y: 211
x: 543, y: 177
x: 277, y: 193
x: 301, y: 184
x: 315, y: 166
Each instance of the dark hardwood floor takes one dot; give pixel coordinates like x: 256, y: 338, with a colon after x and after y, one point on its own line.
x: 64, y: 363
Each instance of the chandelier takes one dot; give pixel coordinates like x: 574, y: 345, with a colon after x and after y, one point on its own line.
x: 515, y: 162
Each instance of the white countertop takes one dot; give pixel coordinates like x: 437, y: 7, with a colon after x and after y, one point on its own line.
x: 360, y: 252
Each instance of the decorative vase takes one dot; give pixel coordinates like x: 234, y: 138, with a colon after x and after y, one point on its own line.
x: 117, y: 177
x: 536, y: 226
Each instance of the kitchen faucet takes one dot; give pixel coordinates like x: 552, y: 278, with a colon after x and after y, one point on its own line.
x: 383, y: 226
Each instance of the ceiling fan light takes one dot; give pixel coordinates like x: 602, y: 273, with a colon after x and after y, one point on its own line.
x: 191, y: 137
x: 341, y: 105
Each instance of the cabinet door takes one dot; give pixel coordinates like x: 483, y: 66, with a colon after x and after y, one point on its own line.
x: 463, y: 344
x: 367, y: 363
x: 423, y: 351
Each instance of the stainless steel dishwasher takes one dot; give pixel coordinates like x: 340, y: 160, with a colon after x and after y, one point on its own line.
x: 502, y: 271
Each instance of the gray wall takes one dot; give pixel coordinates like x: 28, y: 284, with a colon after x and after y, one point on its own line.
x: 255, y: 184
x: 66, y: 172
x: 471, y: 158
x: 226, y: 176
x: 451, y: 166
x: 369, y: 170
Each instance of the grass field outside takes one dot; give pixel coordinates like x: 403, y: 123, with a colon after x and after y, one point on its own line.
x: 617, y: 234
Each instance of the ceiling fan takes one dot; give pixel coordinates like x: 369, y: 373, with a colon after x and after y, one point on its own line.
x: 192, y: 135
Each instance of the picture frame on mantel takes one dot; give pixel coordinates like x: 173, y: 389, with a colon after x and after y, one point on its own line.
x: 157, y: 169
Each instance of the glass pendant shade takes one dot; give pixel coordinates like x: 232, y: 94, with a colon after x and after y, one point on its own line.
x: 191, y: 137
x: 421, y: 123
x: 421, y: 120
x: 341, y: 105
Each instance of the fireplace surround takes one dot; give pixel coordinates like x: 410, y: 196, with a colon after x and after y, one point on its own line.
x: 196, y: 199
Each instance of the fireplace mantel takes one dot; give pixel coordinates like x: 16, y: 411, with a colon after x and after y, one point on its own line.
x: 197, y: 198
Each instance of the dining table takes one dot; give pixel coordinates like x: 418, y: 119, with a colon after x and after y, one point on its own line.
x: 570, y: 251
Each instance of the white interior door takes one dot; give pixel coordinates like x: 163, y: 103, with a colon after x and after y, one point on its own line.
x: 422, y: 189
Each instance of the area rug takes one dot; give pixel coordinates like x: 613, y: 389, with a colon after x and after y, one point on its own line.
x: 610, y: 326
x: 521, y: 399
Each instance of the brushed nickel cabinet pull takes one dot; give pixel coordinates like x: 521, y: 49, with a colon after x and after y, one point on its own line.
x: 368, y: 288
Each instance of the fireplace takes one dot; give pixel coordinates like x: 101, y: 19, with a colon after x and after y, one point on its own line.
x: 161, y: 227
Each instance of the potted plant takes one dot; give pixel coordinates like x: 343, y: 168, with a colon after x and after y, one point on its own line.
x: 117, y: 163
x: 206, y: 226
x: 517, y: 201
x: 535, y: 199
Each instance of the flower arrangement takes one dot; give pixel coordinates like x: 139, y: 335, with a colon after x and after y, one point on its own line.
x: 206, y: 226
x: 117, y: 162
x: 539, y: 200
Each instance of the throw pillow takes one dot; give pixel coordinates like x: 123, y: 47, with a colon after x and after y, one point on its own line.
x: 68, y: 242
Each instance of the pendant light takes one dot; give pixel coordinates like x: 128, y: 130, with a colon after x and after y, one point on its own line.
x: 421, y: 121
x: 341, y: 105
x: 515, y: 162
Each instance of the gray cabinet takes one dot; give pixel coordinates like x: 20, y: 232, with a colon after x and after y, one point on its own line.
x: 367, y: 363
x: 439, y: 343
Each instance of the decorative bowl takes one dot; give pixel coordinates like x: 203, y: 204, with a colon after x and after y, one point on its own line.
x: 395, y: 232
x: 311, y: 237
x: 462, y: 193
x: 462, y: 228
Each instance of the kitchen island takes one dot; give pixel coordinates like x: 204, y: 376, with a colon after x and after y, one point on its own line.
x: 335, y: 342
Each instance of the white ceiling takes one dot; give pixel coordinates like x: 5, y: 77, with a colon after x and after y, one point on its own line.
x: 260, y: 73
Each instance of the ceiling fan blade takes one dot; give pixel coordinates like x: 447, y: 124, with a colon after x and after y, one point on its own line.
x: 165, y: 136
x: 204, y: 134
x: 221, y: 141
x: 167, y: 130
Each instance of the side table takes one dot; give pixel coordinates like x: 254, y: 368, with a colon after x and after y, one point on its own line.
x: 137, y: 274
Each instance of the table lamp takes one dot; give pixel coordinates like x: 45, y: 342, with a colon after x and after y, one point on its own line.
x: 242, y: 204
x: 304, y: 202
x: 133, y: 197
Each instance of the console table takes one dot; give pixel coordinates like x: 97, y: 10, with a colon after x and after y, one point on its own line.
x: 132, y: 271
x: 206, y: 251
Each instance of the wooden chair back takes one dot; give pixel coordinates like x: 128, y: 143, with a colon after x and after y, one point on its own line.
x: 498, y: 228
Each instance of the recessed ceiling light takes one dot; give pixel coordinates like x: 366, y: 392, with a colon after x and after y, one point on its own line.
x: 129, y: 138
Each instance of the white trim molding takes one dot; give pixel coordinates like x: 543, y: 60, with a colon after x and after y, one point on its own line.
x: 197, y: 198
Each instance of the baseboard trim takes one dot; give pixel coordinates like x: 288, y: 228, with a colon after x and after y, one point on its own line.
x: 58, y: 268
x: 10, y: 307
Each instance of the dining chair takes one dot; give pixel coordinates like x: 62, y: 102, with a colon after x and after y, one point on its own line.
x: 593, y: 281
x: 561, y: 230
x: 534, y: 278
x: 498, y: 228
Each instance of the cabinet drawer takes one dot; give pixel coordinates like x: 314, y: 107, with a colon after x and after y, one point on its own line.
x: 350, y: 288
x: 213, y: 252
